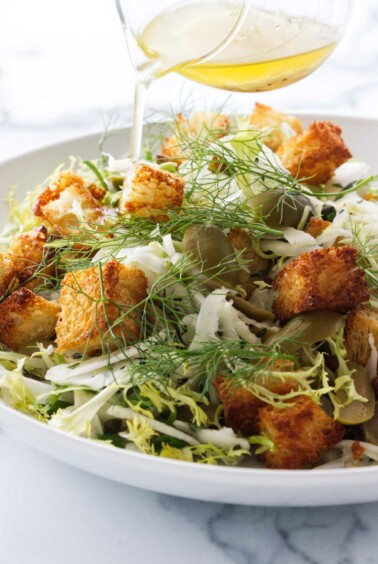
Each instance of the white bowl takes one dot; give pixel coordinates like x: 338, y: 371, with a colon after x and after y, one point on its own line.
x: 249, y: 486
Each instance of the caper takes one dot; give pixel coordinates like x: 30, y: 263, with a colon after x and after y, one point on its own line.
x: 357, y: 411
x: 212, y: 254
x: 328, y: 212
x: 306, y: 329
x: 112, y: 426
x: 281, y: 208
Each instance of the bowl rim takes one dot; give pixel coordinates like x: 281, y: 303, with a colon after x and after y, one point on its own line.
x: 121, y: 456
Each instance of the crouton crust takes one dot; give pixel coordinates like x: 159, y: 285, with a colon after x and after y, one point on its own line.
x: 55, y: 206
x: 217, y: 124
x: 171, y: 147
x: 316, y: 226
x: 96, y: 191
x: 199, y: 124
x: 358, y: 325
x: 301, y: 433
x: 241, y: 406
x: 150, y: 191
x: 8, y: 274
x: 265, y: 117
x: 324, y: 279
x: 87, y: 320
x: 314, y: 155
x: 27, y: 251
x: 253, y: 265
x: 26, y: 318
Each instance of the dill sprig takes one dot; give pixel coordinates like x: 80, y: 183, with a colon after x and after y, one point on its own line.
x: 77, y: 250
x: 255, y: 368
x: 367, y: 257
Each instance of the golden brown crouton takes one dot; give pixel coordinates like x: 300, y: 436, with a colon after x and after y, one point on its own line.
x: 316, y: 226
x: 301, y: 433
x: 95, y: 311
x: 97, y: 191
x: 151, y: 191
x: 69, y: 205
x: 172, y: 150
x: 324, y: 279
x: 26, y: 318
x: 313, y: 156
x: 199, y: 124
x: 204, y: 122
x: 253, y: 265
x: 27, y: 251
x: 172, y: 147
x: 8, y: 274
x: 358, y: 326
x: 265, y: 118
x: 69, y: 178
x: 241, y: 406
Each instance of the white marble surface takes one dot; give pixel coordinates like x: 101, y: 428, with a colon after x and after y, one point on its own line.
x: 50, y: 513
x: 60, y: 76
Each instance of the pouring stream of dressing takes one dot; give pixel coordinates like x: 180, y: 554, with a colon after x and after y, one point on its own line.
x: 261, y: 51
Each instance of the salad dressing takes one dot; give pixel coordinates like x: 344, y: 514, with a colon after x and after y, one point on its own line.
x: 244, y: 50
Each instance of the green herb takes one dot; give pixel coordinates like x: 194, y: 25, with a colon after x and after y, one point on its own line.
x: 113, y: 438
x: 97, y: 173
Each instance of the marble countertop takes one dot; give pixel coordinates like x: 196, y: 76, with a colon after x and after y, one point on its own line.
x: 50, y: 512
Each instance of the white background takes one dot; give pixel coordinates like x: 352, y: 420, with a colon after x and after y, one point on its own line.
x: 63, y: 71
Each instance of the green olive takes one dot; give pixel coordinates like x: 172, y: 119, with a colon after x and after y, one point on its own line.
x: 370, y: 428
x: 117, y: 181
x: 358, y: 412
x: 281, y: 208
x: 306, y: 329
x: 326, y: 405
x: 209, y: 247
x: 250, y: 310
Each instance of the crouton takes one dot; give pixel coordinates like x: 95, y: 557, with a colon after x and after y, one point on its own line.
x: 204, y: 122
x: 324, y: 279
x: 358, y: 326
x: 69, y: 205
x: 316, y: 226
x: 252, y: 265
x: 266, y: 119
x: 301, y: 433
x: 8, y: 274
x: 27, y: 251
x: 241, y: 406
x: 26, y: 318
x: 69, y: 178
x: 313, y: 156
x: 172, y: 148
x: 199, y: 124
x: 96, y: 191
x: 94, y: 311
x: 150, y: 191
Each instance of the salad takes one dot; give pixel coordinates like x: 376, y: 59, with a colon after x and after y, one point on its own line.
x: 215, y: 302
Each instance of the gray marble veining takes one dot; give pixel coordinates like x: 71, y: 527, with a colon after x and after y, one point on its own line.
x: 50, y: 512
x: 53, y: 513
